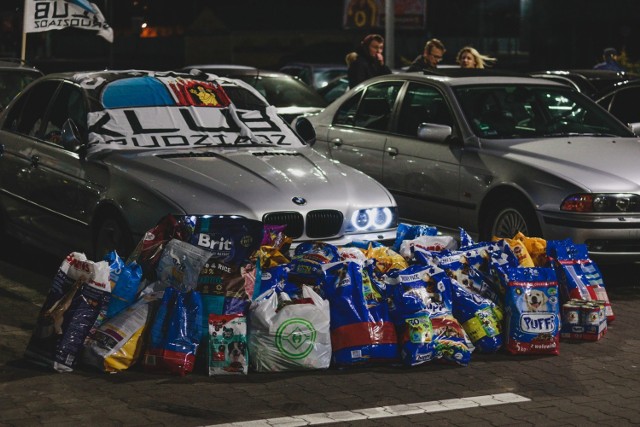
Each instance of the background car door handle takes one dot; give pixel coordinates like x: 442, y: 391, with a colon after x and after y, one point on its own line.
x: 35, y: 160
x: 392, y: 151
x: 336, y: 142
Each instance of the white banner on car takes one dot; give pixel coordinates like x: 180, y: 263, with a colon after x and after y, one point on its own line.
x: 186, y: 126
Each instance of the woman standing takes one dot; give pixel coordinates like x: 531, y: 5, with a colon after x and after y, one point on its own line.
x: 469, y: 57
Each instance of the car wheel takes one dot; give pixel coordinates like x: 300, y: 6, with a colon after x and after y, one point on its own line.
x: 508, y: 217
x: 113, y: 234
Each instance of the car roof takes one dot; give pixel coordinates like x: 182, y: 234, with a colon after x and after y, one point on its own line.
x: 15, y: 63
x: 236, y: 70
x: 462, y: 77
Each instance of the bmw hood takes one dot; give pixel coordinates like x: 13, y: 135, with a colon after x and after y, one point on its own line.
x: 252, y: 181
x: 594, y: 163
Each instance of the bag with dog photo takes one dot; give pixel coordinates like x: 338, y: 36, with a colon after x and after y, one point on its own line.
x: 228, y: 350
x: 532, y: 311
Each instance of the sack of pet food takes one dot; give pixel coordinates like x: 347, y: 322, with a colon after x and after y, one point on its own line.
x: 176, y: 332
x: 78, y: 293
x: 532, y: 311
x: 361, y: 329
x: 480, y: 317
x: 227, y: 347
x: 578, y: 276
x: 426, y: 243
x: 118, y: 343
x: 421, y: 310
x: 410, y: 232
x: 180, y: 265
x: 289, y: 332
x: 230, y: 239
x: 125, y: 282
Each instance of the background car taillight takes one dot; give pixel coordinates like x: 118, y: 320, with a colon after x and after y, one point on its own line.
x: 620, y: 202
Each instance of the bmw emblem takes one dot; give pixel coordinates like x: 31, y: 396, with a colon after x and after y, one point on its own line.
x: 299, y: 201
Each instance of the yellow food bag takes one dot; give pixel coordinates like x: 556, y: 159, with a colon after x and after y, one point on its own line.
x: 386, y: 259
x: 520, y: 250
x: 537, y: 248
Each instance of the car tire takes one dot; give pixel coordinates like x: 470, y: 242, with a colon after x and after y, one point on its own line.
x: 112, y: 233
x: 508, y: 217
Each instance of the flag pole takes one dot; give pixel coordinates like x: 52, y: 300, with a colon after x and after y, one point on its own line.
x: 23, y: 49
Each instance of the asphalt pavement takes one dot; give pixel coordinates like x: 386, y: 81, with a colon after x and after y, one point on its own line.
x: 587, y: 384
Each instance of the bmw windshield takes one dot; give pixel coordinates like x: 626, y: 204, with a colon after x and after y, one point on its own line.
x: 531, y: 111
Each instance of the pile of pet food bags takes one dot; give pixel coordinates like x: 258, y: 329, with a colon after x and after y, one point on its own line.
x: 223, y: 295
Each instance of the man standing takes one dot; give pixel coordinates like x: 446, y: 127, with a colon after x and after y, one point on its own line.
x: 433, y: 52
x: 610, y: 56
x: 369, y: 62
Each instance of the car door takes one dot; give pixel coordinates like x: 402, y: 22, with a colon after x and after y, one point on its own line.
x: 424, y: 176
x: 53, y: 194
x: 361, y: 126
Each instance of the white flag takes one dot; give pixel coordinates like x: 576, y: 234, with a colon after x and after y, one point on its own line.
x: 47, y: 15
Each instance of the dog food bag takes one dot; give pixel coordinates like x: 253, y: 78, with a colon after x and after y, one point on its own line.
x: 288, y: 333
x: 361, y: 329
x: 230, y: 239
x: 118, y: 342
x: 520, y: 250
x: 465, y: 239
x: 386, y: 259
x: 480, y: 317
x: 125, y: 281
x: 578, y: 276
x: 532, y: 311
x: 149, y: 249
x: 180, y: 265
x: 421, y: 290
x: 78, y: 292
x: 411, y: 231
x: 468, y: 276
x: 426, y: 243
x: 537, y: 248
x: 176, y: 332
x: 228, y: 348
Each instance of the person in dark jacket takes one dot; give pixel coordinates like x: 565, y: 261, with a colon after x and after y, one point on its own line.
x: 369, y: 62
x: 610, y: 56
x: 433, y: 52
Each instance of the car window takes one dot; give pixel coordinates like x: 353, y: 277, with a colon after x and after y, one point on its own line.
x: 346, y: 114
x: 625, y: 105
x: 68, y: 104
x: 26, y: 115
x: 521, y: 111
x: 12, y: 82
x: 376, y: 105
x: 369, y: 109
x: 422, y: 104
x: 284, y: 92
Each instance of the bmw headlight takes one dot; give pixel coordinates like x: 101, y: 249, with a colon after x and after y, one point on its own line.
x: 373, y: 219
x: 605, y: 203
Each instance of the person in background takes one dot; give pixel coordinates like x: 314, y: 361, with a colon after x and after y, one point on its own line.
x: 350, y: 57
x: 369, y: 61
x: 469, y: 57
x: 610, y: 57
x: 432, y: 54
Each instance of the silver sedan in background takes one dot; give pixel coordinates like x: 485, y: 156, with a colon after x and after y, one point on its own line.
x: 494, y: 155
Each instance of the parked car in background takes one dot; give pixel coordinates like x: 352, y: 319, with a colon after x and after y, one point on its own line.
x: 90, y: 161
x: 315, y: 75
x: 592, y: 83
x: 495, y: 155
x: 289, y: 95
x: 15, y: 75
x: 335, y: 88
x: 623, y: 101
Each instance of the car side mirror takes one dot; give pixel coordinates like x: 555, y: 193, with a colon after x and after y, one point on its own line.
x: 635, y: 128
x: 434, y: 132
x: 305, y: 130
x: 70, y: 136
